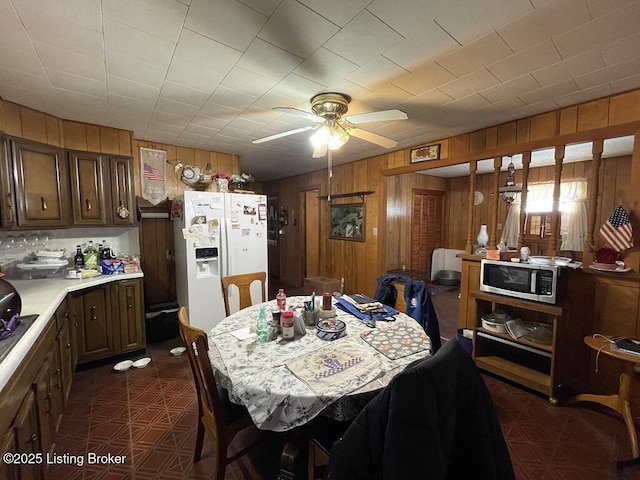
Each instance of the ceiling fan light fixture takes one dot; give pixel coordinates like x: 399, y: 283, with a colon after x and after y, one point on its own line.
x: 337, y: 138
x: 321, y: 137
x: 331, y: 135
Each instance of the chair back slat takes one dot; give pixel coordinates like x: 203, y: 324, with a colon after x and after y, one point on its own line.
x: 243, y: 283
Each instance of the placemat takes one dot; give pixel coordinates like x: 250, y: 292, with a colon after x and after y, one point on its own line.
x: 397, y: 341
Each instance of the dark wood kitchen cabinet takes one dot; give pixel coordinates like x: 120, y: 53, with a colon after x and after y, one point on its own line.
x: 110, y: 320
x: 66, y: 347
x: 8, y: 445
x: 27, y: 440
x: 41, y: 183
x: 101, y: 189
x: 95, y: 324
x: 7, y: 205
x: 47, y: 388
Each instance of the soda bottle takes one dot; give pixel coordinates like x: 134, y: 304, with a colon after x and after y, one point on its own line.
x: 262, y: 330
x: 78, y: 259
x: 281, y: 300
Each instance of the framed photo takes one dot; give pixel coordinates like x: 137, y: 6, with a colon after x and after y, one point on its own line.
x: 426, y: 152
x: 347, y: 222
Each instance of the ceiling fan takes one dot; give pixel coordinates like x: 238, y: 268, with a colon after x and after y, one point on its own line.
x: 334, y: 129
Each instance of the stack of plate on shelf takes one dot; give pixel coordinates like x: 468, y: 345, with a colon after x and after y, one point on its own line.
x: 495, y: 322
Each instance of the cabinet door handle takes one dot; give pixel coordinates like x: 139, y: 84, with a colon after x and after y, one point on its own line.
x: 43, y: 200
x: 88, y: 202
x: 33, y: 438
x: 93, y: 313
x: 9, y: 209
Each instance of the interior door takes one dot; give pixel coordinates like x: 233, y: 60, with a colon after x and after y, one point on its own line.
x: 427, y: 227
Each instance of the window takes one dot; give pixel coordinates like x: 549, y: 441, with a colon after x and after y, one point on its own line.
x: 573, y: 214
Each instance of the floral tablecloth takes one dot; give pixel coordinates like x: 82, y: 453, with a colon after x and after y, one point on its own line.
x: 282, y: 383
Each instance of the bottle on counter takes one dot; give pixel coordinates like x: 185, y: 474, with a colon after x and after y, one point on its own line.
x: 262, y: 329
x: 281, y: 300
x: 78, y: 259
x: 91, y: 257
x: 288, y: 321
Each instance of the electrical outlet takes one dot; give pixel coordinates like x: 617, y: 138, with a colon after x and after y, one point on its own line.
x: 499, y: 226
x: 375, y: 231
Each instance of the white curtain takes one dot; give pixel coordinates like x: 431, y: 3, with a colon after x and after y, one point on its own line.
x: 512, y: 224
x: 573, y: 212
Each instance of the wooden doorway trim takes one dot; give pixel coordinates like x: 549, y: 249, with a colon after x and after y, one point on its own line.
x: 310, y: 231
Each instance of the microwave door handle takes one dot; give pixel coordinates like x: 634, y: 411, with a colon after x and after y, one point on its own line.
x: 534, y: 281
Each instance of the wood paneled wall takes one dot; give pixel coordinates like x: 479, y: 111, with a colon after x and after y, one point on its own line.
x: 220, y: 162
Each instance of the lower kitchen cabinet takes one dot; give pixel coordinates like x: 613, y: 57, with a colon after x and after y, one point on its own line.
x: 27, y: 440
x: 8, y: 470
x: 110, y: 320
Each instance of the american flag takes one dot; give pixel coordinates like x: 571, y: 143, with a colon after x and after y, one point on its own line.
x: 152, y: 173
x: 617, y: 231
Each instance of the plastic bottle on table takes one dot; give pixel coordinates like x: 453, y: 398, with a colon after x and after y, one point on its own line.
x: 262, y: 329
x: 281, y: 300
x: 287, y: 325
x: 78, y: 259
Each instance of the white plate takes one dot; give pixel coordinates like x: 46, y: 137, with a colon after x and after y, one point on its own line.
x: 142, y: 362
x: 177, y: 351
x: 608, y: 267
x: 123, y: 366
x: 42, y: 265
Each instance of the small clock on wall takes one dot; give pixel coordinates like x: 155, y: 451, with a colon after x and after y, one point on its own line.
x: 477, y: 197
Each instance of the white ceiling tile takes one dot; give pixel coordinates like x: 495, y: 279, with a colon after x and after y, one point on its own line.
x: 609, y: 74
x: 621, y: 50
x: 212, y: 122
x: 128, y: 109
x: 386, y: 96
x: 362, y: 39
x: 226, y: 21
x: 76, y: 83
x: 11, y: 78
x: 297, y: 29
x: 247, y: 82
x: 130, y: 42
x: 625, y: 84
x: 266, y: 7
x: 540, y: 95
x: 273, y: 99
x: 297, y: 87
x: 427, y: 78
x: 600, y: 8
x: 410, y: 19
x: 22, y: 61
x: 260, y: 115
x: 466, y: 20
x: 429, y: 99
x: 167, y: 122
x: 70, y: 62
x: 137, y: 91
x: 152, y: 135
x: 161, y: 18
x: 135, y: 70
x: 601, y: 31
x: 350, y: 88
x: 192, y: 139
x: 245, y: 124
x: 484, y: 51
x: 324, y: 66
x: 85, y: 13
x: 176, y: 108
x: 565, y: 69
x: 336, y: 11
x: 200, y: 130
x: 473, y: 82
x: 200, y: 62
x: 378, y: 71
x: 233, y: 133
x: 268, y: 60
x: 412, y: 52
x: 525, y: 61
x: 547, y: 21
x: 582, y: 96
x: 211, y: 109
x: 231, y: 98
x: 12, y: 32
x: 180, y: 93
x: 510, y: 89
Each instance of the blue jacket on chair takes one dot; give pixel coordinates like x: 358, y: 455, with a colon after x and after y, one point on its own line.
x: 418, y: 300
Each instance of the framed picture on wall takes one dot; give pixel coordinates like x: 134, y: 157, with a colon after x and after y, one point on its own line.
x: 347, y: 222
x: 425, y: 153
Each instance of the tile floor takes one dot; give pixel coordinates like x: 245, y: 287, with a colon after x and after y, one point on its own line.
x: 149, y: 415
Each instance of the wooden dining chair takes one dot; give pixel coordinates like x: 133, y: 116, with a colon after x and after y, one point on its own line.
x: 220, y: 419
x: 243, y: 282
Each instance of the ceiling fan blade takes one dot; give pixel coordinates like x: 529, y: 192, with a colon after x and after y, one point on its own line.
x: 320, y: 151
x: 300, y: 113
x: 372, y: 137
x: 381, y: 116
x: 283, y: 134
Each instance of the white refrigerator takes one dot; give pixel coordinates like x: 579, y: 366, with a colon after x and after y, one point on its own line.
x: 216, y: 234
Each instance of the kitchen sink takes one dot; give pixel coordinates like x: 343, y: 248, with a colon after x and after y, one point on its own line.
x: 8, y: 343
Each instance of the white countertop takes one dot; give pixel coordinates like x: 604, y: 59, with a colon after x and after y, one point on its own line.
x: 43, y: 297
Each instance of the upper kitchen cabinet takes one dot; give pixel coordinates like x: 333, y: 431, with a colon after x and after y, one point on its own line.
x: 122, y: 190
x: 101, y: 189
x: 7, y: 206
x: 41, y: 183
x: 87, y: 188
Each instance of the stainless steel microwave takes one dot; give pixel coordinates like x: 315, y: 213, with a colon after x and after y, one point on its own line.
x: 540, y: 283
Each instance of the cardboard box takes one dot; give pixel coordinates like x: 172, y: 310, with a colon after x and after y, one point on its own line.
x: 321, y: 285
x: 498, y: 255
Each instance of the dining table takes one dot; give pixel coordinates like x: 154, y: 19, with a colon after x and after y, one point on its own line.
x: 284, y: 384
